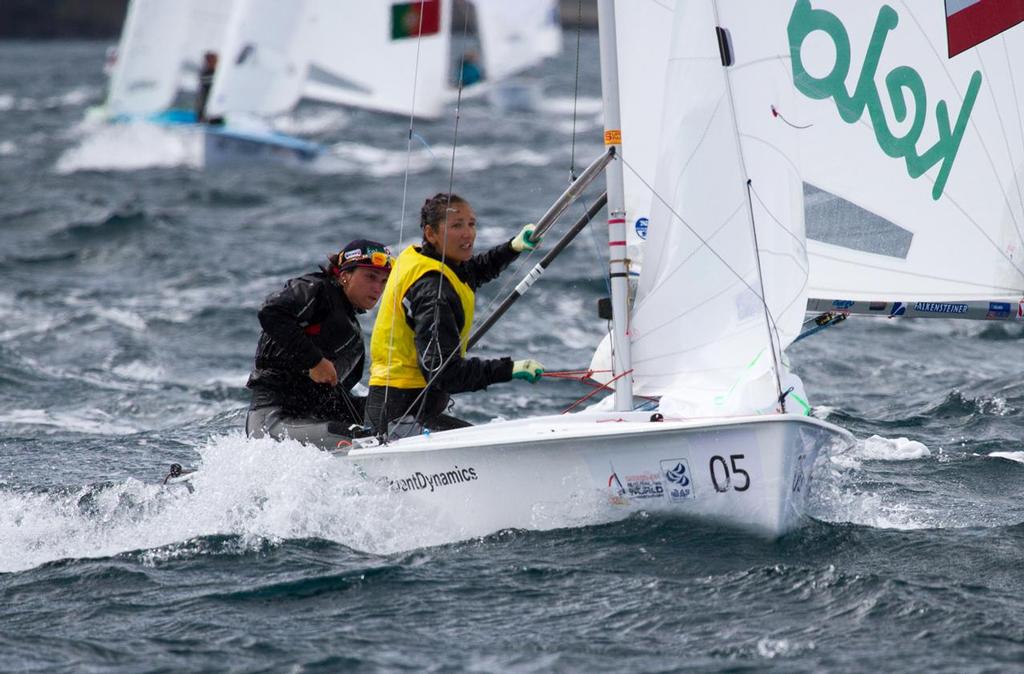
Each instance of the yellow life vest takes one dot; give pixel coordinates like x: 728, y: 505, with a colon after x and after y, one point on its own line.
x: 393, y: 355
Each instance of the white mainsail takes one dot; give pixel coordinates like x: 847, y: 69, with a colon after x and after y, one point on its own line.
x: 914, y: 159
x: 723, y: 289
x: 145, y: 77
x: 356, y: 58
x: 515, y: 36
x: 264, y: 60
x: 160, y: 47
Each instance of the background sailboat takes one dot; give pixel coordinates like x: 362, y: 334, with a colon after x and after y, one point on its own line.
x: 159, y: 54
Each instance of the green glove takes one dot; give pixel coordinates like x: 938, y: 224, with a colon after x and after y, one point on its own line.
x: 528, y: 369
x: 525, y: 240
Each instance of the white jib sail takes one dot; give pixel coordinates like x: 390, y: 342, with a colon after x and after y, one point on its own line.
x: 727, y: 220
x: 644, y: 38
x: 356, y: 57
x: 145, y: 76
x: 264, y: 60
x: 914, y: 159
x: 515, y: 36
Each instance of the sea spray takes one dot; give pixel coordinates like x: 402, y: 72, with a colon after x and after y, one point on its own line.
x: 256, y: 490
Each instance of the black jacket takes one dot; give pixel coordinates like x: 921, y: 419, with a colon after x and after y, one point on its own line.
x: 420, y: 302
x: 309, y: 319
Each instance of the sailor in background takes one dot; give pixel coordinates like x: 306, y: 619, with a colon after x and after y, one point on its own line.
x: 310, y: 352
x: 425, y: 318
x: 206, y: 73
x: 471, y: 72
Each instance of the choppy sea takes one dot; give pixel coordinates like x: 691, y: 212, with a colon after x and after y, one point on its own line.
x: 130, y: 283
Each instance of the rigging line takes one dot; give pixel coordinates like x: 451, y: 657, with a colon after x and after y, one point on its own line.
x: 981, y: 140
x: 435, y: 339
x: 801, y: 244
x: 776, y: 113
x: 769, y: 321
x: 1002, y: 128
x: 405, y: 194
x: 1016, y: 105
x: 916, y: 275
x: 575, y: 91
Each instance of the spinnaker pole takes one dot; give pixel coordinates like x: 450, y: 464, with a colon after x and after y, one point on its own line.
x: 618, y: 263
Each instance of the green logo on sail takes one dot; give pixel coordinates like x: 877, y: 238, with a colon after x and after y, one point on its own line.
x: 903, y: 84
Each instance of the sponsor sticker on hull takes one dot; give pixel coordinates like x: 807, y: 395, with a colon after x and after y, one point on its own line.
x: 998, y: 310
x: 940, y: 308
x: 420, y: 481
x: 679, y: 479
x: 644, y: 486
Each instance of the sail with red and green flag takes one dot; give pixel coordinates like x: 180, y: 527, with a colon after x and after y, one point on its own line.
x: 414, y: 19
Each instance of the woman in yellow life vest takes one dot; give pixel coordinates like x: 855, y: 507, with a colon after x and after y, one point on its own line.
x: 425, y: 317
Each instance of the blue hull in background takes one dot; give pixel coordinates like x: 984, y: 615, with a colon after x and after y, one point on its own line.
x: 224, y: 146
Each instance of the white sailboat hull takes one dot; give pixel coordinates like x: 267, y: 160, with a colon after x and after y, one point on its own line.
x: 751, y: 473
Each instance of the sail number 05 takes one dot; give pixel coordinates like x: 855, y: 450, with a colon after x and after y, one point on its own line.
x: 722, y: 473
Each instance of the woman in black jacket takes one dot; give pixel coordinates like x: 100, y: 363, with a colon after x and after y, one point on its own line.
x: 419, y: 339
x: 310, y: 352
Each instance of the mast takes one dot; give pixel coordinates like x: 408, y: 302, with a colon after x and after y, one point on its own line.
x: 618, y: 269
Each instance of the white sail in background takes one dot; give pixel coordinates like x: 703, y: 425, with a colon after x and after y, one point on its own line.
x: 264, y: 60
x: 515, y: 36
x: 360, y: 56
x: 145, y: 77
x: 699, y: 332
x: 161, y: 45
x: 914, y: 159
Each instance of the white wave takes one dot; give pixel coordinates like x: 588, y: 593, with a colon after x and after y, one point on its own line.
x: 8, y: 148
x: 566, y: 104
x: 1009, y: 456
x: 994, y: 405
x: 312, y: 123
x: 361, y: 159
x: 822, y: 411
x: 89, y: 420
x: 128, y: 147
x: 231, y: 379
x: 76, y: 97
x: 122, y: 317
x: 877, y: 448
x: 6, y: 102
x: 139, y: 371
x: 258, y: 490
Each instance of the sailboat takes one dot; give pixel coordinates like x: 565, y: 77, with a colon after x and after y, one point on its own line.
x: 767, y: 114
x: 730, y: 439
x: 159, y: 56
x: 354, y: 53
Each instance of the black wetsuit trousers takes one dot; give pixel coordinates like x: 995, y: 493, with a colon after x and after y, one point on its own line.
x: 402, y: 406
x: 274, y: 421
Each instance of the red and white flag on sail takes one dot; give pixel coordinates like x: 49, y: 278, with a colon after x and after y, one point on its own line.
x: 971, y: 22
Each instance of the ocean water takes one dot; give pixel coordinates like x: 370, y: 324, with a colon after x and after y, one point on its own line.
x: 130, y: 285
